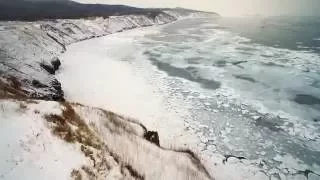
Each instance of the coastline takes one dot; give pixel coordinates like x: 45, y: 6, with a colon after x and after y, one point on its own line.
x: 24, y: 96
x: 122, y: 88
x: 125, y: 87
x: 123, y: 69
x: 136, y: 111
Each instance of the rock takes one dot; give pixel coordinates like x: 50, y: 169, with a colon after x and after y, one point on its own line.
x: 53, y: 67
x: 153, y: 137
x: 56, y: 63
x: 232, y: 156
x: 56, y: 85
x: 57, y: 92
x: 47, y: 68
x: 37, y: 84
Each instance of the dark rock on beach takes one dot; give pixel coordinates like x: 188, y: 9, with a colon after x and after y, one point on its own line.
x: 153, y: 137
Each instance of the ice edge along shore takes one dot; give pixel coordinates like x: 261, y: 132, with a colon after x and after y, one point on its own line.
x: 45, y: 137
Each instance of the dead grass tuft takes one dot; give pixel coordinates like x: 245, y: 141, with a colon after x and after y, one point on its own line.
x: 76, y: 175
x: 61, y: 128
x: 71, y: 128
x: 195, y: 160
x: 87, y: 152
x: 132, y: 172
x: 89, y: 172
x: 118, y: 124
x: 10, y: 88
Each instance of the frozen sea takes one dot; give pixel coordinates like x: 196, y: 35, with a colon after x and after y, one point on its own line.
x: 247, y: 88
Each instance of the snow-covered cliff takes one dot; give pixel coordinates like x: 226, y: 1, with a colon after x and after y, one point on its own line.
x: 45, y: 137
x: 52, y: 140
x: 29, y: 49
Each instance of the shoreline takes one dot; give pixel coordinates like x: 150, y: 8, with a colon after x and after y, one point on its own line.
x: 120, y: 93
x: 121, y: 89
x: 53, y: 124
x: 117, y: 43
x: 95, y: 78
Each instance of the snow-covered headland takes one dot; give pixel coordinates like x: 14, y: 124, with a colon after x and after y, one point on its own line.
x: 46, y: 137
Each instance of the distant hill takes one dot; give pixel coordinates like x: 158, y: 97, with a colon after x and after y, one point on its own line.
x: 37, y: 10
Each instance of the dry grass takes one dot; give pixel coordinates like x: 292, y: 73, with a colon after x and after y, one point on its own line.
x: 125, y: 140
x: 121, y: 143
x: 62, y: 127
x: 10, y: 88
x: 194, y: 158
x: 119, y: 124
x: 89, y: 172
x: 76, y: 175
x: 71, y: 128
x: 128, y: 169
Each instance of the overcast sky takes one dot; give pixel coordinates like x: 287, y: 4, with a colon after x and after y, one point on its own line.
x: 231, y: 7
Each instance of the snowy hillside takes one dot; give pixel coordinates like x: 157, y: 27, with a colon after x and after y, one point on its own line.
x: 52, y: 140
x: 29, y: 50
x: 45, y: 137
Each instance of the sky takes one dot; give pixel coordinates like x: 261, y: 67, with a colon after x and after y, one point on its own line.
x: 231, y: 7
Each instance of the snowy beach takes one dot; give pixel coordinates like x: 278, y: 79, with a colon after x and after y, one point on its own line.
x: 124, y: 72
x: 109, y: 98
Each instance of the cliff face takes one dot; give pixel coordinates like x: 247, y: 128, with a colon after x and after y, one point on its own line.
x: 29, y: 50
x: 47, y: 138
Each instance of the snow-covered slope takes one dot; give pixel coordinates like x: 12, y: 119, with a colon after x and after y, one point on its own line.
x: 52, y: 140
x: 28, y: 51
x: 44, y: 137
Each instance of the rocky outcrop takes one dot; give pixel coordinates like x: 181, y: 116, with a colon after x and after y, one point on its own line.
x: 153, y: 137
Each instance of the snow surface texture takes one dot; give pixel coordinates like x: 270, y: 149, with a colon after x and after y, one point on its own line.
x: 44, y: 139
